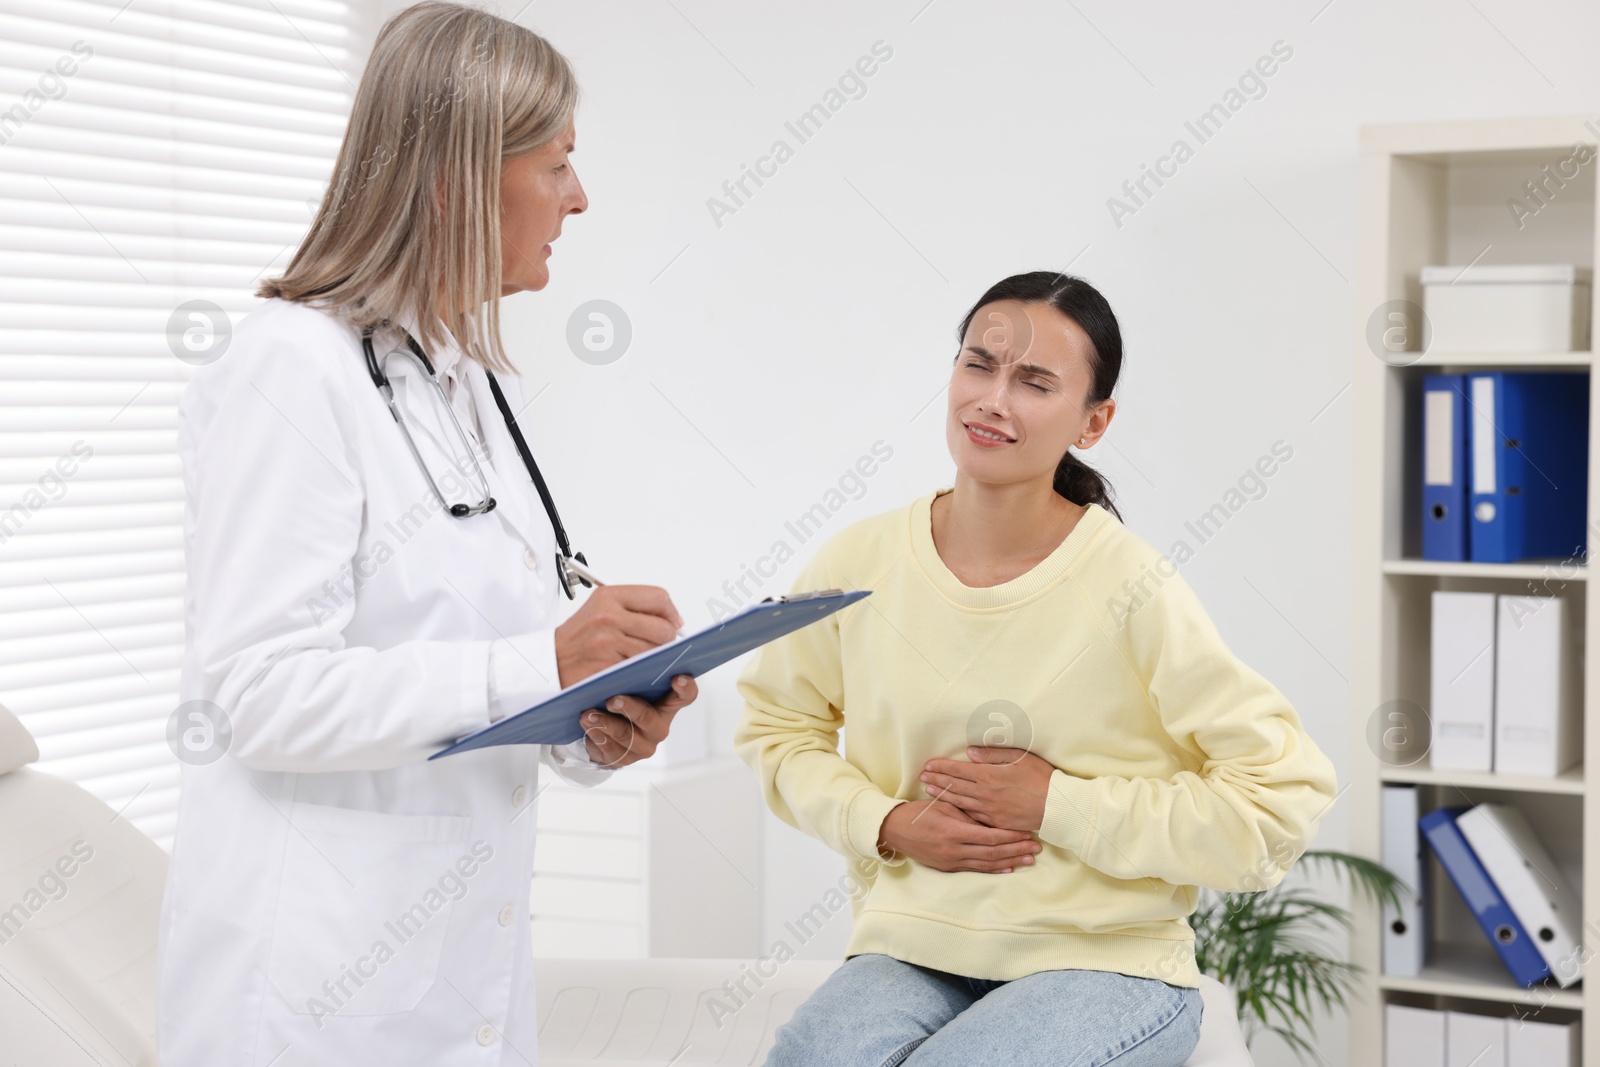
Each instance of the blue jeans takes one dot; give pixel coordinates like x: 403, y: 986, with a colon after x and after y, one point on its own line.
x: 876, y: 1011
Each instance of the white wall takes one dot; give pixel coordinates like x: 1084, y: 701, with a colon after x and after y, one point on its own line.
x: 772, y: 351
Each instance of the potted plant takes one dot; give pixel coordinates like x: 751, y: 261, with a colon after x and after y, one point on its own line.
x: 1264, y: 946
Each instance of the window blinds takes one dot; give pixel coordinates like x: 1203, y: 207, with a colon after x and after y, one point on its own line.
x: 152, y: 153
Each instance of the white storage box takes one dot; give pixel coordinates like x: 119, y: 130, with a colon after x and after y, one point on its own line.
x: 1519, y: 308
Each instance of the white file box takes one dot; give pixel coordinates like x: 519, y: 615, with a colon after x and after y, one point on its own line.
x: 1519, y: 308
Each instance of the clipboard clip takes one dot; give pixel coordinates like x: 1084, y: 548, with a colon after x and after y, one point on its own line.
x: 796, y: 598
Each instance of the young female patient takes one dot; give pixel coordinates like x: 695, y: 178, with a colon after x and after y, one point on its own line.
x: 1049, y: 745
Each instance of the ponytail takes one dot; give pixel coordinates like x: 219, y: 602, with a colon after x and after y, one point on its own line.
x: 1082, y: 484
x: 1083, y: 304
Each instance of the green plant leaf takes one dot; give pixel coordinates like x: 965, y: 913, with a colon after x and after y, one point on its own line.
x: 1369, y: 877
x: 1266, y: 947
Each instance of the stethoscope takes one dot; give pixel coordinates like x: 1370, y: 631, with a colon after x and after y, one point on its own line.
x: 570, y: 566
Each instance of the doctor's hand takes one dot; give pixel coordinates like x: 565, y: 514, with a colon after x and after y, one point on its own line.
x: 631, y: 728
x: 613, y: 623
x: 944, y: 837
x: 1002, y: 787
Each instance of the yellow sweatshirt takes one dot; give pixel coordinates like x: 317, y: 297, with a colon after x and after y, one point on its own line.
x: 1177, y: 765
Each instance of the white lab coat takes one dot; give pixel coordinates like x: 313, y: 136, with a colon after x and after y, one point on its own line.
x: 334, y: 898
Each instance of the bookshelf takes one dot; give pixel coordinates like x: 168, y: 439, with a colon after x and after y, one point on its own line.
x: 1436, y: 193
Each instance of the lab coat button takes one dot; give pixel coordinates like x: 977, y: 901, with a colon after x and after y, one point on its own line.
x: 485, y: 1034
x: 506, y: 915
x: 518, y: 796
x: 530, y: 559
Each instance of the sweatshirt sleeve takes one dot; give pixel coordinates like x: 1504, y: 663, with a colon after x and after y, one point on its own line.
x: 1240, y: 821
x: 788, y: 733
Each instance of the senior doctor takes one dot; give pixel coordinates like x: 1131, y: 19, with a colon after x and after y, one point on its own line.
x: 354, y: 604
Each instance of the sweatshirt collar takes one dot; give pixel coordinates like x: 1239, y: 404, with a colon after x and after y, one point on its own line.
x: 1046, y: 573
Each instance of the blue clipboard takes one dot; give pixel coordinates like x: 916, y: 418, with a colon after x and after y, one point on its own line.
x: 649, y: 674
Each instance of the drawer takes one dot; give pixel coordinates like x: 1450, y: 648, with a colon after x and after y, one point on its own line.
x: 590, y: 811
x: 572, y: 938
x: 557, y: 897
x: 588, y: 855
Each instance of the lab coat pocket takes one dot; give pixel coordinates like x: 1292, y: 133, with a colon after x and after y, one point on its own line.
x: 363, y: 907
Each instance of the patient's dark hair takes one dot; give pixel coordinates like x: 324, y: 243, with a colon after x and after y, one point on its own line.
x: 1083, y: 304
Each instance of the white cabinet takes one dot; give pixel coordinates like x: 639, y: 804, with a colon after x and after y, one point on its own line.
x: 657, y: 861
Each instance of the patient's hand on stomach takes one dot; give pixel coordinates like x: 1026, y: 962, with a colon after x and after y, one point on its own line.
x: 942, y: 836
x: 1001, y: 787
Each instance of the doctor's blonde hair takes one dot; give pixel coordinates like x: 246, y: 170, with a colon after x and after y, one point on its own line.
x: 410, y: 222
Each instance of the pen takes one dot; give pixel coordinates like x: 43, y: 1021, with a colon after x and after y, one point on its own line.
x: 589, y: 576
